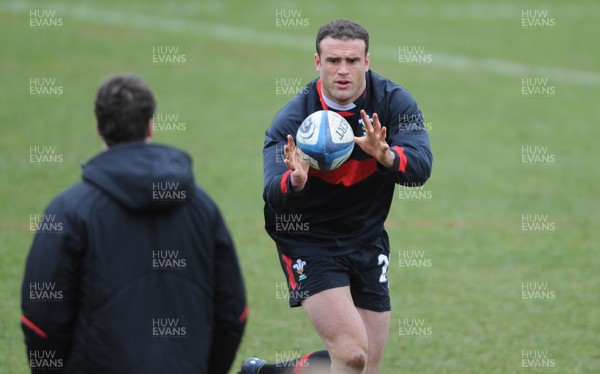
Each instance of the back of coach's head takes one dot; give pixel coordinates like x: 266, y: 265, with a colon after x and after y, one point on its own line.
x: 124, y: 109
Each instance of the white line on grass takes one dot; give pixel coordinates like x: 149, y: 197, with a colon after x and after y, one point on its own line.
x: 500, y: 11
x: 221, y: 31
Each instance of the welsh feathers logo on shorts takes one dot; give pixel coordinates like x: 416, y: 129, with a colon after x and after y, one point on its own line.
x: 299, y: 266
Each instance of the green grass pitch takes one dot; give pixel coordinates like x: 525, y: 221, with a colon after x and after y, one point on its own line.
x: 495, y: 262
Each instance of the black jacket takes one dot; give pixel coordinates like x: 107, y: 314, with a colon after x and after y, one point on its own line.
x: 133, y: 271
x: 343, y: 210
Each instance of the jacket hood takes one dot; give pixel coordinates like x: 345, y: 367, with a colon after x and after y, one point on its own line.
x: 141, y: 176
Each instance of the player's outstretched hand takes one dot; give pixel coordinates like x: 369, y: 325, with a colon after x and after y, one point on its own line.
x: 296, y: 164
x: 374, y: 142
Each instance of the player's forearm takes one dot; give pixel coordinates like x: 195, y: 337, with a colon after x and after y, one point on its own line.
x: 280, y: 195
x: 280, y: 191
x: 417, y: 168
x: 387, y: 159
x: 298, y: 184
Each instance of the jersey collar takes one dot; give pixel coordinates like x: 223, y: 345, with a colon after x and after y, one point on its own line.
x: 346, y: 110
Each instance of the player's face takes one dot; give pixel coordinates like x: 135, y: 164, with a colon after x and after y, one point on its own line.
x: 342, y: 65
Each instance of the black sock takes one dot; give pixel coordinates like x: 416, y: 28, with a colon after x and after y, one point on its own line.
x: 299, y: 365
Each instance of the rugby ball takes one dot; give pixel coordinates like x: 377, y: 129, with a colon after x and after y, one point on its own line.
x: 325, y: 140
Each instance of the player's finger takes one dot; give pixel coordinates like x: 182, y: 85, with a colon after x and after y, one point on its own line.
x: 289, y: 164
x: 291, y: 144
x: 366, y: 121
x: 376, y: 123
x: 382, y: 133
x: 294, y: 157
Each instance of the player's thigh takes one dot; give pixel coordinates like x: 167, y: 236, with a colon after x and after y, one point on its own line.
x: 336, y: 319
x: 377, y: 325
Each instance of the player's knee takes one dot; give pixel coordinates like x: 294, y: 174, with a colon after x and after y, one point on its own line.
x: 354, y: 359
x: 357, y: 362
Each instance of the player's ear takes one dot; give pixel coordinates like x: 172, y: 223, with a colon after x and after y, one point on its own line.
x: 317, y: 62
x: 367, y: 62
x: 150, y: 130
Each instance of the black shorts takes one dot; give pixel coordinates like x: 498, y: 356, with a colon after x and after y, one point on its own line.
x: 365, y: 271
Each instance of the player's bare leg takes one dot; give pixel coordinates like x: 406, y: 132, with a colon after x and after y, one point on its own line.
x: 377, y: 325
x: 341, y: 327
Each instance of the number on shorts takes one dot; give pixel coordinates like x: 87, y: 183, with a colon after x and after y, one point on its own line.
x: 385, y: 262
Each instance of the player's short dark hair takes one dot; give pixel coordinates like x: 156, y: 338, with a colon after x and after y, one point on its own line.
x: 343, y: 29
x: 124, y: 106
